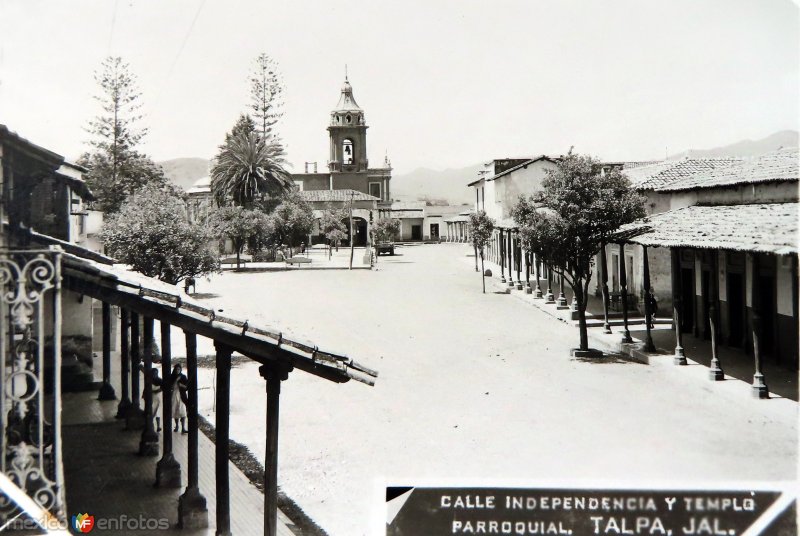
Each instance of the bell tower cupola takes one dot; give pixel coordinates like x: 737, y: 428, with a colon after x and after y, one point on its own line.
x: 348, y: 134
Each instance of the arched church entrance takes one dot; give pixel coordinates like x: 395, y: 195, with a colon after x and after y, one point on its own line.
x: 360, y: 230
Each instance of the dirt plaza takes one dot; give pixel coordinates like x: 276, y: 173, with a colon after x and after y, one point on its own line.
x: 474, y: 388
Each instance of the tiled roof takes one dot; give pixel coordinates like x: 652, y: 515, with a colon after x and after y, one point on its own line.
x: 776, y: 166
x: 654, y: 176
x: 403, y: 205
x: 765, y: 228
x: 335, y: 195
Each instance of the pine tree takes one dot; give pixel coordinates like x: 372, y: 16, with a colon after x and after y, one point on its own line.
x: 116, y: 168
x: 266, y: 90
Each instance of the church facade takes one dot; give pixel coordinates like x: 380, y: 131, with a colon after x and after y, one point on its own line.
x: 348, y: 165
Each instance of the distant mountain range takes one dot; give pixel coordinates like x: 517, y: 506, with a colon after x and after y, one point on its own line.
x: 450, y: 185
x: 773, y: 142
x: 184, y: 172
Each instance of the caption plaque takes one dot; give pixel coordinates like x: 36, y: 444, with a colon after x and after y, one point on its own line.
x: 532, y: 511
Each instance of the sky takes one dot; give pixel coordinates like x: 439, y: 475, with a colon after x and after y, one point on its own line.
x: 444, y: 84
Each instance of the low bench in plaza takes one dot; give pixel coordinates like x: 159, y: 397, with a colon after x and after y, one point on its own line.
x: 298, y: 261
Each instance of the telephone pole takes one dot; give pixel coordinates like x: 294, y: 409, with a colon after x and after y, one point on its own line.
x: 352, y: 238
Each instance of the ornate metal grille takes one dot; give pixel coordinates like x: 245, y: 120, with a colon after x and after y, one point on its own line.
x: 30, y: 378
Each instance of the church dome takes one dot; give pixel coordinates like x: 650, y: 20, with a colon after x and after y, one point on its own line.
x: 347, y: 103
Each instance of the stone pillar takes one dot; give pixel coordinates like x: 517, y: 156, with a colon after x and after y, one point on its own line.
x: 528, y: 288
x: 222, y: 456
x: 148, y: 444
x: 562, y: 298
x: 679, y: 357
x: 623, y: 291
x: 604, y: 288
x: 124, y: 361
x: 168, y: 470
x: 502, y: 258
x: 549, y: 296
x: 759, y: 389
x: 106, y: 389
x: 518, y: 254
x: 715, y: 372
x: 192, y: 509
x: 648, y: 309
x: 510, y: 245
x: 274, y: 376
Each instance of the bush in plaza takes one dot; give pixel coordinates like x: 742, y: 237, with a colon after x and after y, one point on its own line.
x: 573, y: 216
x: 385, y: 230
x: 292, y: 221
x: 243, y: 227
x: 152, y: 234
x: 481, y: 228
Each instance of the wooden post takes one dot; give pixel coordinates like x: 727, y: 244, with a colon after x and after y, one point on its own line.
x: 106, y: 389
x: 168, y: 470
x: 124, y: 361
x: 648, y: 309
x: 759, y: 389
x: 715, y: 372
x: 623, y: 291
x: 148, y: 444
x: 134, y: 419
x: 192, y: 509
x: 502, y: 258
x: 679, y: 357
x: 604, y: 288
x: 222, y: 458
x: 274, y: 375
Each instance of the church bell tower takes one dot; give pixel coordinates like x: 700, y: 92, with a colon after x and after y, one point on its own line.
x: 348, y: 135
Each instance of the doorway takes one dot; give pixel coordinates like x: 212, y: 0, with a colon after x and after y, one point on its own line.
x: 766, y: 309
x: 687, y: 300
x: 434, y: 231
x: 705, y: 302
x: 416, y: 232
x: 736, y: 310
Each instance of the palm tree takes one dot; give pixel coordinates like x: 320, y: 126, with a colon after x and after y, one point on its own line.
x: 248, y: 169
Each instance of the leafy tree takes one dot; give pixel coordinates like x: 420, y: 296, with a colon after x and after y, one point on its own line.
x: 385, y: 230
x: 265, y: 94
x: 333, y: 228
x: 292, y: 221
x: 577, y: 211
x: 244, y: 124
x: 152, y: 234
x: 244, y: 227
x: 249, y: 169
x: 116, y: 169
x: 481, y: 228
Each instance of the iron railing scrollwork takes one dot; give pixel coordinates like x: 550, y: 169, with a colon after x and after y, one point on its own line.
x: 30, y: 378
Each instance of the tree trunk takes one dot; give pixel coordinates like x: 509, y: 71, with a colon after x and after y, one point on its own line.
x: 584, y: 334
x: 237, y: 259
x: 476, y: 257
x: 483, y: 273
